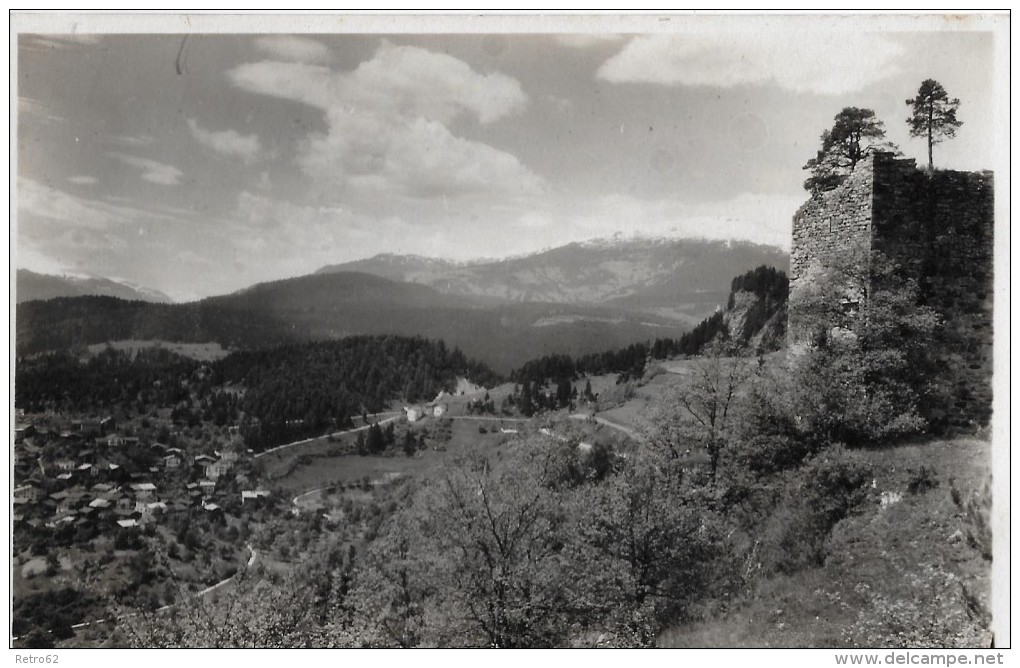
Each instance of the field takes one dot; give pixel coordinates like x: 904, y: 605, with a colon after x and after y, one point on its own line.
x: 316, y: 468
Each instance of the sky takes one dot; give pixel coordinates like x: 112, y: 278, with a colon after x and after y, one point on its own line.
x: 199, y: 164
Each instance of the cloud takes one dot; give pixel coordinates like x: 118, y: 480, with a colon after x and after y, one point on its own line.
x: 81, y: 180
x: 135, y: 142
x: 389, y: 124
x: 418, y: 158
x: 51, y: 42
x: 755, y: 217
x: 588, y: 40
x: 43, y: 201
x: 39, y: 262
x: 227, y: 142
x: 813, y: 61
x: 405, y: 80
x: 294, y: 48
x: 29, y: 107
x: 152, y: 171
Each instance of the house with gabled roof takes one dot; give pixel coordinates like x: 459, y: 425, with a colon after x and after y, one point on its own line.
x: 27, y: 493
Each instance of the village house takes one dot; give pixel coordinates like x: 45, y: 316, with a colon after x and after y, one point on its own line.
x: 21, y: 432
x: 204, y: 462
x: 253, y: 495
x: 218, y: 468
x: 171, y: 462
x: 61, y: 518
x: 70, y: 436
x: 63, y: 500
x: 25, y: 494
x: 111, y: 441
x: 144, y: 491
x: 149, y: 512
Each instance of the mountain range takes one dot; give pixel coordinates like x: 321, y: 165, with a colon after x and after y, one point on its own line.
x: 680, y: 279
x: 578, y: 299
x: 31, y: 286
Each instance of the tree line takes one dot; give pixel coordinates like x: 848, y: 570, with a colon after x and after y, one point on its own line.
x: 770, y: 286
x: 282, y: 393
x: 856, y: 131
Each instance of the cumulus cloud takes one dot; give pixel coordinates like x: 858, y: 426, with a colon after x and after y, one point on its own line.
x: 152, y: 171
x: 294, y: 48
x: 227, y: 142
x: 814, y: 61
x: 418, y: 158
x: 389, y: 123
x: 406, y: 80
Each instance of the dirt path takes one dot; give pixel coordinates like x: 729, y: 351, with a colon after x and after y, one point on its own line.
x: 612, y: 425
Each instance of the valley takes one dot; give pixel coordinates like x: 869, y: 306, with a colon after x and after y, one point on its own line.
x: 173, y: 492
x: 619, y: 331
x: 503, y: 313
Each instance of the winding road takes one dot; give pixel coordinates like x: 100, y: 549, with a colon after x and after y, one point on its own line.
x: 612, y: 425
x: 394, y: 415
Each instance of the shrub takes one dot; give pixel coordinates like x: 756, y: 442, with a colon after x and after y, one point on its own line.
x: 976, y: 508
x: 933, y: 613
x: 820, y: 494
x: 921, y: 480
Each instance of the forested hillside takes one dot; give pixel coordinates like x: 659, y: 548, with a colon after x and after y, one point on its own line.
x: 274, y: 395
x: 332, y: 306
x: 70, y: 322
x: 755, y: 316
x: 297, y: 391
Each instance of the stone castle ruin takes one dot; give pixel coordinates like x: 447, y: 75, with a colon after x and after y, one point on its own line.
x: 939, y: 227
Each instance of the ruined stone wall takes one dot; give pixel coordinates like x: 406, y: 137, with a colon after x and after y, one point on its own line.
x: 940, y: 228
x: 832, y: 222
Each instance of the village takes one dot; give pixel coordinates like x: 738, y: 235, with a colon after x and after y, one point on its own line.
x: 102, y: 502
x: 86, y: 472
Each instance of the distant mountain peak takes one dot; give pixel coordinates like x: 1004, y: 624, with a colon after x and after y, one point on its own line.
x: 33, y: 286
x: 672, y: 276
